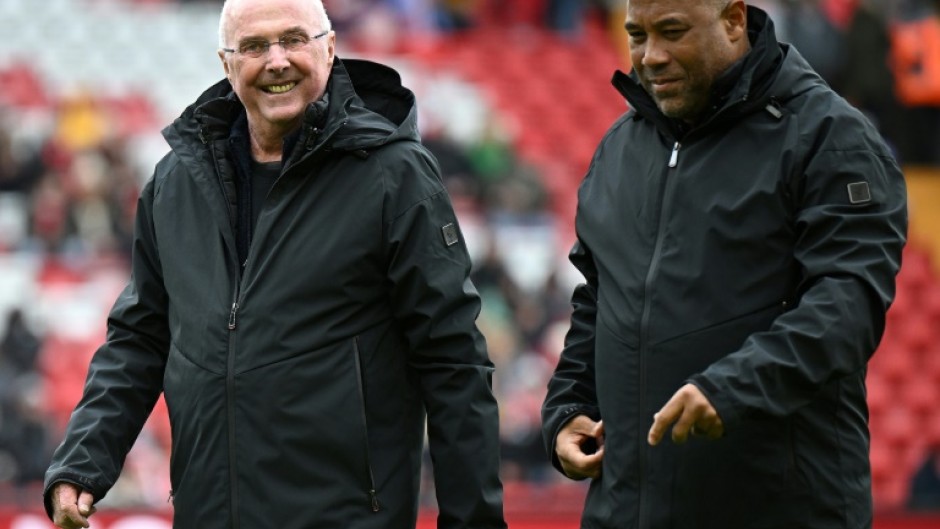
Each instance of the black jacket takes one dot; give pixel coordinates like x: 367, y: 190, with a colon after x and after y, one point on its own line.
x: 297, y: 389
x: 754, y: 256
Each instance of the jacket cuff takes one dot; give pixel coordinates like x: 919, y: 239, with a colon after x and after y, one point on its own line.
x: 728, y: 412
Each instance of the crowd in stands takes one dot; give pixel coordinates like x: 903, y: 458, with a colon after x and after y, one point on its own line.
x: 70, y: 195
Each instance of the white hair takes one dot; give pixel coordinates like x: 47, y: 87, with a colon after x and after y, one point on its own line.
x: 317, y: 5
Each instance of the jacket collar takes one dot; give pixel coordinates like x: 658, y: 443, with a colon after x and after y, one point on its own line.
x: 364, y: 106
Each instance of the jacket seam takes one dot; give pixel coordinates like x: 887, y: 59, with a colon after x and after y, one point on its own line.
x: 412, y: 206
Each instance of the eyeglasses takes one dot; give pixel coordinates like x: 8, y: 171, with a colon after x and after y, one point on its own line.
x: 257, y: 48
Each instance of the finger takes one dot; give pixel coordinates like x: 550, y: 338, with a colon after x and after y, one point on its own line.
x: 65, y: 507
x: 581, y: 466
x: 715, y: 433
x: 85, y: 504
x: 715, y: 428
x: 680, y: 431
x: 64, y: 494
x: 581, y: 425
x: 69, y: 518
x: 594, y: 463
x: 663, y: 419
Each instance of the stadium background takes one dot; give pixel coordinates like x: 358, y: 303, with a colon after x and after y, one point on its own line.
x: 513, y: 97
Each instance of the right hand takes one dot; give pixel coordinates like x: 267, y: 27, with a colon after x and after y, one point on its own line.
x: 569, y: 447
x: 71, y: 506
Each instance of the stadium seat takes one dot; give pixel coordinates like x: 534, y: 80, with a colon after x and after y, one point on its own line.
x: 897, y: 427
x: 920, y: 394
x: 893, y: 361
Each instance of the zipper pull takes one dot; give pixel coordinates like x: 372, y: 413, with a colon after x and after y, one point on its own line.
x: 231, y: 316
x: 375, y: 501
x: 674, y: 157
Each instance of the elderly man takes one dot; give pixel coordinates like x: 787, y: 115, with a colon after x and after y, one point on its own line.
x: 739, y: 231
x: 300, y: 294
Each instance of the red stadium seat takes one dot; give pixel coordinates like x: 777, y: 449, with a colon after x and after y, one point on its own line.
x: 897, y: 427
x: 892, y: 361
x: 920, y: 394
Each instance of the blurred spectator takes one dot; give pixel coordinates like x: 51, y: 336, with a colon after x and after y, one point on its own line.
x: 804, y: 24
x: 456, y: 15
x: 915, y: 57
x: 82, y: 124
x: 24, y: 435
x: 925, y: 484
x: 866, y: 79
x: 565, y: 16
x: 19, y: 347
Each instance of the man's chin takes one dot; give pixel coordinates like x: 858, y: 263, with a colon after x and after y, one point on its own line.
x: 671, y: 107
x: 283, y: 116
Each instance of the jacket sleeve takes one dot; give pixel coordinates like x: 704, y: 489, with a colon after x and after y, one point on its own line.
x: 437, y: 306
x: 571, y: 390
x: 125, y: 377
x: 849, y: 254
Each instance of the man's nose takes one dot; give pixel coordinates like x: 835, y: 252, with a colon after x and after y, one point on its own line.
x: 654, y: 52
x: 277, y: 58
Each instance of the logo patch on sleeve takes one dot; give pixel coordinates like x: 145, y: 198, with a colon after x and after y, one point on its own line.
x: 449, y: 231
x: 859, y: 193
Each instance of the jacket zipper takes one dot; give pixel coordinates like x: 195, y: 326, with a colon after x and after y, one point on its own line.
x: 674, y: 156
x: 230, y: 404
x: 668, y: 177
x: 365, y: 426
x: 230, y: 362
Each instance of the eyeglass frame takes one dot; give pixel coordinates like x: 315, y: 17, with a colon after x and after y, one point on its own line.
x: 280, y: 42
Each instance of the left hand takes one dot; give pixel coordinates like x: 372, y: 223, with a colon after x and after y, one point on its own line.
x: 691, y: 412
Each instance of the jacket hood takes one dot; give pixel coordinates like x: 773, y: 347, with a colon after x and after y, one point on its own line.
x: 365, y: 106
x: 747, y: 86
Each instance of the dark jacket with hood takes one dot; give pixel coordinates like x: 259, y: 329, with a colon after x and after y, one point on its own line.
x: 298, y: 384
x: 754, y: 256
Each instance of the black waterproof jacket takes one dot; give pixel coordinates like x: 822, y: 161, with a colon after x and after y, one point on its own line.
x: 753, y: 256
x: 298, y: 388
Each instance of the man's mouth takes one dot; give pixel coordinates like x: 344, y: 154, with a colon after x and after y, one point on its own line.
x: 279, y: 88
x: 662, y: 82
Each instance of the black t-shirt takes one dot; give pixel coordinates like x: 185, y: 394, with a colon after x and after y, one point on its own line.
x: 262, y: 179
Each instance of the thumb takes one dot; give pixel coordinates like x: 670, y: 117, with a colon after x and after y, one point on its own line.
x: 85, y: 501
x: 598, y: 433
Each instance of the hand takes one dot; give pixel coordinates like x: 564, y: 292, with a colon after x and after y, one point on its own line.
x: 71, y: 506
x: 692, y: 414
x: 569, y: 447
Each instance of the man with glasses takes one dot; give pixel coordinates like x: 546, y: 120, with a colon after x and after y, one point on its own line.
x: 300, y: 295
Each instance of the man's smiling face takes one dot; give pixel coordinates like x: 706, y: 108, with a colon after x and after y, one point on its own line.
x: 277, y: 86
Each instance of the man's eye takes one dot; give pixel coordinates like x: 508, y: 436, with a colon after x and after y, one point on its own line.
x: 293, y: 42
x: 253, y: 47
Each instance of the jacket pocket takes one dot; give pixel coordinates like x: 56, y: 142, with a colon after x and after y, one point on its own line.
x: 360, y: 384
x: 195, y: 399
x: 301, y: 440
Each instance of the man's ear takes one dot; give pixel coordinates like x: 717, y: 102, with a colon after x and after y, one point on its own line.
x: 225, y: 67
x: 735, y: 17
x: 331, y: 47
